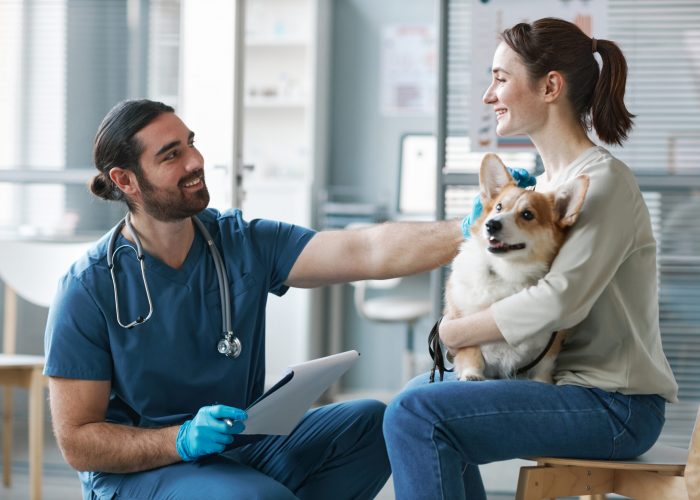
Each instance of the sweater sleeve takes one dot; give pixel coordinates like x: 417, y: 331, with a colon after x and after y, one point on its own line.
x: 601, y: 240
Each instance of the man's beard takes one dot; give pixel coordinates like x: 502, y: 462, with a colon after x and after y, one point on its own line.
x: 172, y: 205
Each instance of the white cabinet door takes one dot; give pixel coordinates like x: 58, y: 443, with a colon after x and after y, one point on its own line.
x: 211, y: 88
x: 288, y: 318
x: 284, y: 92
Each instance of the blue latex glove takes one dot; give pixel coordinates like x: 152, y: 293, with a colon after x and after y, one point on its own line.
x: 209, y: 432
x: 521, y: 177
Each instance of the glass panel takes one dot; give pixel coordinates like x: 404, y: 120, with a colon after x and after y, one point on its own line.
x: 661, y: 43
x: 65, y: 63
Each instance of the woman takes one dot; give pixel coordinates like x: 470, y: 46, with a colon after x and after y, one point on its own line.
x: 612, y: 379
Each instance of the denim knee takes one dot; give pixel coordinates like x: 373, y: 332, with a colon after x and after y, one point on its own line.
x: 398, y: 418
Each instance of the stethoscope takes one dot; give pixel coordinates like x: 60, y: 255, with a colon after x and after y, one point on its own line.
x: 229, y: 345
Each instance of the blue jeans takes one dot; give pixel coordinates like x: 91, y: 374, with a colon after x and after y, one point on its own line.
x: 336, y: 451
x: 437, y: 434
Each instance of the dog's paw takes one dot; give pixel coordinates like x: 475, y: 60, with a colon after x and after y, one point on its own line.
x: 471, y: 376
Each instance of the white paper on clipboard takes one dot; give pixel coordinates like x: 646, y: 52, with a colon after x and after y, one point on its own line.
x: 279, y: 410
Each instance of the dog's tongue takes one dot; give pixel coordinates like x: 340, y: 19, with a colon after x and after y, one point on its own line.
x: 494, y: 243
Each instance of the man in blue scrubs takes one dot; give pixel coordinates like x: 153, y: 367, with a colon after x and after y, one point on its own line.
x: 154, y: 411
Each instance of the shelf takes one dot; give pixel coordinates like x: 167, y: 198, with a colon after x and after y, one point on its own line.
x: 45, y: 176
x: 276, y: 42
x: 461, y: 178
x: 274, y: 103
x: 276, y: 183
x: 285, y: 83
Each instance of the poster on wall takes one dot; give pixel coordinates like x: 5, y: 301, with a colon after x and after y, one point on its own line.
x: 489, y: 19
x: 408, y: 70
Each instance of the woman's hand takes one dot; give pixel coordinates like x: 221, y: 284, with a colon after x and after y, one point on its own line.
x: 470, y: 330
x: 452, y: 333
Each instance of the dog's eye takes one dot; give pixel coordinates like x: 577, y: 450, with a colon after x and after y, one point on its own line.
x: 498, y: 207
x: 527, y: 215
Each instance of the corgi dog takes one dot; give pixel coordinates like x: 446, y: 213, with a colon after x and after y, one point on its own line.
x: 512, y: 246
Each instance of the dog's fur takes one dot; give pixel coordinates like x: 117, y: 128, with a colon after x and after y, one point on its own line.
x: 512, y: 246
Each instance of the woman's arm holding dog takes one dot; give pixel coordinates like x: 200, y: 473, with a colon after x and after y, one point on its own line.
x: 471, y: 330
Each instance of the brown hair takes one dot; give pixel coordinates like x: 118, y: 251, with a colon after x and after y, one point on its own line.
x: 596, y: 94
x: 117, y: 146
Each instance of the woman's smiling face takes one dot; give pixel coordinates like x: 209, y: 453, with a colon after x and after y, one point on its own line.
x: 515, y: 98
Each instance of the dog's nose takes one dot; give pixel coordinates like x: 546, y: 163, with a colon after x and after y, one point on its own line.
x: 493, y: 226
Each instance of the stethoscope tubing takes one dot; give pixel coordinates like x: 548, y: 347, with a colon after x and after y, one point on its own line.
x: 111, y: 252
x: 220, y: 266
x: 224, y: 294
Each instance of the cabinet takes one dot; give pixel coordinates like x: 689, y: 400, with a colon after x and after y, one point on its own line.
x: 284, y: 146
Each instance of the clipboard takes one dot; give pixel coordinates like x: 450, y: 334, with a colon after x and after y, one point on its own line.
x: 279, y: 410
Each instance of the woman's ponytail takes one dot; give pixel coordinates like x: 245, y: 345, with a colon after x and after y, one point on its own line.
x: 596, y: 93
x: 609, y: 115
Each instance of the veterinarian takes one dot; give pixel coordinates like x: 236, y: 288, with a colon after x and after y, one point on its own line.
x: 145, y: 393
x: 612, y: 379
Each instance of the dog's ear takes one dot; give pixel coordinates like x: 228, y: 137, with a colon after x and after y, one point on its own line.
x: 568, y: 200
x: 493, y: 177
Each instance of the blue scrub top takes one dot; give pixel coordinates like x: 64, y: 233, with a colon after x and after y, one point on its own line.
x: 163, y: 371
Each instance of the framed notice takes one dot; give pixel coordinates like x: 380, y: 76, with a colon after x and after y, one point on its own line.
x: 408, y: 70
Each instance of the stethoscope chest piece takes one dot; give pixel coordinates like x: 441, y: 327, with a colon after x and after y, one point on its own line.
x: 229, y: 346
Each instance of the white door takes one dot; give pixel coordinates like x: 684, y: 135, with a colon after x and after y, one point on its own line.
x: 211, y: 79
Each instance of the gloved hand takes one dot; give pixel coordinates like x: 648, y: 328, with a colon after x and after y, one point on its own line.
x: 521, y: 177
x: 208, y: 432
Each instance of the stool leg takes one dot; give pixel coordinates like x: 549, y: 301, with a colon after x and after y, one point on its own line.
x: 36, y: 433
x: 7, y: 438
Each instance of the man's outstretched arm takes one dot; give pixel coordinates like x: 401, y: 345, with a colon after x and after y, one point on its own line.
x: 377, y: 252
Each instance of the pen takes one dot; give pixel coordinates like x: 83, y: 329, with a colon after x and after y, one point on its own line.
x: 226, y: 420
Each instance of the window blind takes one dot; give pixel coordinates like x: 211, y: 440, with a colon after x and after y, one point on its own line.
x: 65, y: 63
x: 661, y: 41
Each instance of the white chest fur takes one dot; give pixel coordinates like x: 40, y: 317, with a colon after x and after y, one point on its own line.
x: 479, y: 279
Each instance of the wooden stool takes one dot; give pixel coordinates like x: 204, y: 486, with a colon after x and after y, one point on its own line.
x: 664, y: 472
x: 30, y: 270
x: 24, y: 371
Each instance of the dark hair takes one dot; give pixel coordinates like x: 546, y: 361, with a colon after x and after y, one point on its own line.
x: 116, y: 144
x: 597, y: 94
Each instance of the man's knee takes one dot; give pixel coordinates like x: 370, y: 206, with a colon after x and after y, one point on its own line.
x: 365, y: 415
x: 214, y: 478
x: 371, y: 410
x: 269, y: 491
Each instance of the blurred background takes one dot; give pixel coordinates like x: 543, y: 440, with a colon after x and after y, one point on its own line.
x: 327, y: 114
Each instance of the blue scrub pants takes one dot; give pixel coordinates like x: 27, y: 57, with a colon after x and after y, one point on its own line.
x: 336, y: 451
x: 437, y: 434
